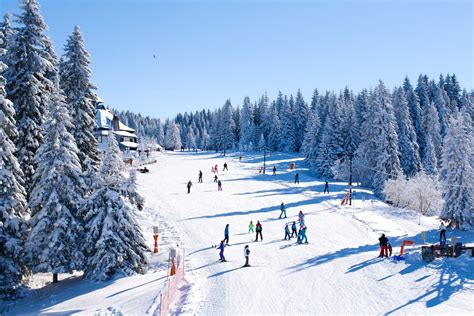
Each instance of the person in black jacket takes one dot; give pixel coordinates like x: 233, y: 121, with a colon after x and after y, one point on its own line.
x: 258, y: 230
x: 200, y: 176
x: 383, y: 246
x: 297, y: 178
x: 189, y: 185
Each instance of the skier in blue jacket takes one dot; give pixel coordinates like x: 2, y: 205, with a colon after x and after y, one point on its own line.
x: 226, y: 234
x: 221, y: 252
x: 283, y: 210
x: 293, y: 230
x: 287, y: 232
x: 302, y: 235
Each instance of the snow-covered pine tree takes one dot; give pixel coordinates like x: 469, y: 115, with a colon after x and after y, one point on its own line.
x: 76, y: 85
x: 407, y: 144
x: 6, y: 31
x: 247, y: 126
x: 53, y: 243
x: 130, y: 191
x: 160, y: 134
x: 453, y: 90
x: 261, y: 115
x: 287, y: 126
x: 236, y: 125
x: 433, y: 130
x: 414, y: 110
x: 172, y: 137
x: 315, y: 101
x: 190, y: 139
x: 300, y: 117
x: 28, y: 87
x: 438, y: 99
x: 378, y: 153
x: 226, y: 131
x: 274, y: 128
x: 311, y: 140
x: 114, y: 244
x: 458, y: 170
x: 12, y: 200
x: 331, y: 142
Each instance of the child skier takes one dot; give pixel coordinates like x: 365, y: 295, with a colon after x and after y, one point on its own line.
x: 219, y: 185
x: 221, y: 252
x: 283, y: 210
x: 258, y: 231
x: 389, y: 247
x: 189, y: 185
x: 287, y: 231
x: 246, y: 255
x: 226, y: 234
x: 251, y: 227
x: 293, y: 230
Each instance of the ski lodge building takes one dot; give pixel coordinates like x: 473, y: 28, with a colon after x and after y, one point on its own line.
x: 108, y: 122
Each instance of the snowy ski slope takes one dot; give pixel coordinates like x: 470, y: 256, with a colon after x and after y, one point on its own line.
x: 338, y: 272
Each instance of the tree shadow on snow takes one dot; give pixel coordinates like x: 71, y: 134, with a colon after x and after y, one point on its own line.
x: 273, y: 208
x: 223, y: 272
x: 455, y: 274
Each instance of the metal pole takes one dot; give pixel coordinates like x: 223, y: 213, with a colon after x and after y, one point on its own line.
x: 350, y: 178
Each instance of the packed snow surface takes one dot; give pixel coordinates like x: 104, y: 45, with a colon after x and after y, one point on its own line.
x: 338, y: 272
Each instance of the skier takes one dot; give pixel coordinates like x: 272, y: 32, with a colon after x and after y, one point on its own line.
x: 212, y: 170
x: 442, y: 233
x: 389, y: 247
x: 283, y: 210
x: 274, y: 170
x: 302, y: 235
x: 200, y: 176
x: 246, y: 255
x: 225, y: 167
x: 189, y: 185
x: 240, y: 158
x: 216, y: 169
x: 326, y: 187
x: 226, y: 234
x: 297, y: 178
x: 293, y: 230
x: 287, y: 231
x: 219, y: 185
x: 251, y: 227
x: 383, y: 246
x: 221, y: 252
x: 258, y: 231
x: 301, y: 219
x: 215, y: 178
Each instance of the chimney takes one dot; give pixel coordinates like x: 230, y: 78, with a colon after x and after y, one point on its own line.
x: 115, y: 123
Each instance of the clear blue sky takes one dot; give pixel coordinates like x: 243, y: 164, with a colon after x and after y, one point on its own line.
x: 208, y: 51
